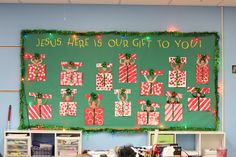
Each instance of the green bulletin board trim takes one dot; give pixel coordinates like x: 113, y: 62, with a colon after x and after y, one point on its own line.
x: 23, y: 101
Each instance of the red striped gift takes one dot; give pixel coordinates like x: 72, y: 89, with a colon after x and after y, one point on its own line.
x: 202, y: 70
x: 173, y: 112
x: 43, y: 111
x: 199, y: 103
x: 34, y: 112
x: 127, y: 71
x: 202, y: 74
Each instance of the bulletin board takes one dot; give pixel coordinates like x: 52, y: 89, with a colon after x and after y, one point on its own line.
x: 119, y: 81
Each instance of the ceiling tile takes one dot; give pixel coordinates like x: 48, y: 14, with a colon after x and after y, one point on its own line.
x: 9, y: 1
x: 95, y: 1
x: 45, y: 1
x: 145, y: 2
x: 196, y: 2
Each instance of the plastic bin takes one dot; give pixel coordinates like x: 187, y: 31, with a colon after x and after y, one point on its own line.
x: 41, y: 152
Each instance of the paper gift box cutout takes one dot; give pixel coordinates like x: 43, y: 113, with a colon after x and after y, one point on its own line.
x: 173, y: 112
x: 177, y: 77
x: 128, y: 68
x: 202, y: 69
x: 36, y: 70
x: 34, y: 112
x: 71, y: 76
x: 173, y: 109
x: 104, y: 77
x: 68, y: 107
x: 122, y: 107
x: 199, y: 102
x: 94, y: 115
x: 148, y: 118
x: 151, y: 87
x: 43, y: 111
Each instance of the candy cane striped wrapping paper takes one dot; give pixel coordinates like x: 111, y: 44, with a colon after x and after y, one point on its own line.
x: 199, y: 104
x: 202, y: 72
x: 173, y: 112
x: 127, y: 73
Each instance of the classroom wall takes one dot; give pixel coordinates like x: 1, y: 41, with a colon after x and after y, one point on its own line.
x: 14, y: 18
x: 230, y: 79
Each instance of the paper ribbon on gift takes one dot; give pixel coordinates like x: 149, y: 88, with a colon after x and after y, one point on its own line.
x: 100, y: 96
x: 147, y: 72
x: 99, y: 65
x: 45, y: 96
x: 198, y: 93
x: 31, y: 56
x: 199, y: 56
x: 77, y: 64
x: 118, y: 91
x: 174, y: 94
x: 123, y: 56
x: 64, y: 91
x: 40, y: 95
x: 202, y: 90
x: 153, y: 104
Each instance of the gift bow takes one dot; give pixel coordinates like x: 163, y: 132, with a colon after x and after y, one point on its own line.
x: 31, y: 56
x: 88, y: 96
x: 207, y: 57
x: 123, y: 56
x: 153, y: 104
x: 77, y: 64
x: 202, y: 90
x: 100, y: 65
x: 64, y: 91
x: 174, y: 94
x: 118, y: 91
x: 147, y: 72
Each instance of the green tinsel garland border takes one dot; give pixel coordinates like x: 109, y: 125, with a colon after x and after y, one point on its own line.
x: 60, y: 32
x: 65, y: 32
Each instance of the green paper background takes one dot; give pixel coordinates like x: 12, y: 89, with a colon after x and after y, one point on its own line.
x: 154, y: 57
